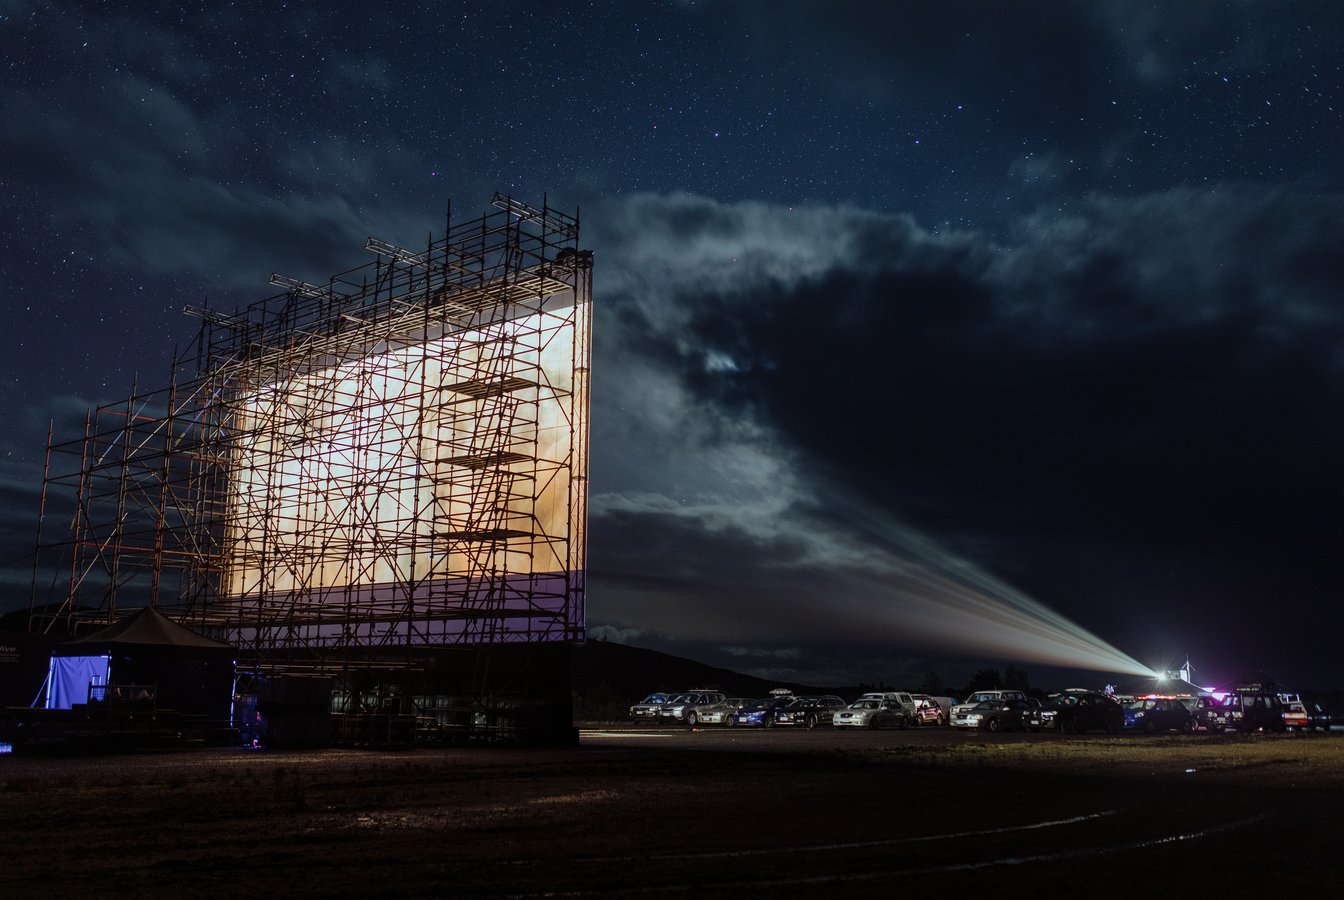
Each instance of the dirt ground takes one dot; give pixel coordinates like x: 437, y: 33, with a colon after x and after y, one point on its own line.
x: 920, y: 813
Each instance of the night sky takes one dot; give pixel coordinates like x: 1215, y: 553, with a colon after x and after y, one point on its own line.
x: 1054, y: 288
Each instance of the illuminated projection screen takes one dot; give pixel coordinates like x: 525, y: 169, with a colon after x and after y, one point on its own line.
x: 431, y: 489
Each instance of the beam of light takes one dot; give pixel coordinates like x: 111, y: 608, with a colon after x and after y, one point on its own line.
x: 944, y: 600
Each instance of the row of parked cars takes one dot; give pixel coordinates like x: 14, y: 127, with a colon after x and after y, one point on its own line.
x: 897, y: 709
x: 1241, y: 710
x: 1072, y: 711
x: 1077, y: 711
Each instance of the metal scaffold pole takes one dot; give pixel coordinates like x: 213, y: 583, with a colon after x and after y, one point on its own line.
x: 395, y: 458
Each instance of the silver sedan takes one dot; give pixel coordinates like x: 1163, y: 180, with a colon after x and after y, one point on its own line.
x: 871, y: 714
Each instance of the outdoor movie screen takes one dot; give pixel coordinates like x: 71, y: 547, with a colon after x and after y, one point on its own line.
x: 417, y: 470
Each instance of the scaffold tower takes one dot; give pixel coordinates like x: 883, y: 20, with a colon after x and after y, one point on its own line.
x: 396, y: 458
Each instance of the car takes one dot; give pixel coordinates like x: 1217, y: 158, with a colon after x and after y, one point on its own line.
x: 871, y: 712
x: 1078, y: 712
x: 903, y: 699
x: 809, y: 712
x: 760, y: 713
x: 1206, y: 711
x: 1156, y: 714
x: 717, y: 713
x: 932, y: 710
x: 961, y: 711
x: 1295, y: 716
x: 680, y: 697
x: 1249, y: 709
x: 1317, y: 718
x: 685, y: 707
x: 927, y: 711
x: 646, y: 710
x: 1005, y: 714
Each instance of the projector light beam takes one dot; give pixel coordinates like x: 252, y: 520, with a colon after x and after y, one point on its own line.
x: 946, y: 601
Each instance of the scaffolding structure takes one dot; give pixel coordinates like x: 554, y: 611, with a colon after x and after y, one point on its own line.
x: 396, y: 458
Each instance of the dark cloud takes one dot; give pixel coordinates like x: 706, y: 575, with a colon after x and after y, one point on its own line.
x: 146, y: 203
x: 1150, y: 375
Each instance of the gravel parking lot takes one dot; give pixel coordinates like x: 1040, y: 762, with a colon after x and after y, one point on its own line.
x: 792, y: 739
x: 722, y: 812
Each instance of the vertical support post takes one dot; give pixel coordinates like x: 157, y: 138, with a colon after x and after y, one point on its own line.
x: 41, y: 518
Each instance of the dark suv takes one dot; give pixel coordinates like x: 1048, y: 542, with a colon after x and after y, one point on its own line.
x: 1153, y: 715
x: 1251, y: 709
x: 1077, y: 712
x: 1205, y: 711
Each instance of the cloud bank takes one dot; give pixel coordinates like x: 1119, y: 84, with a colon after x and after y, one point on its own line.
x: 789, y: 400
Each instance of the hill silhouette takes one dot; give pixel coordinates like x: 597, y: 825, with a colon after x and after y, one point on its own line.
x: 608, y: 677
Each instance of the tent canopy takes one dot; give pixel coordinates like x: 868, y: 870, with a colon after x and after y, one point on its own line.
x: 190, y: 673
x: 147, y: 629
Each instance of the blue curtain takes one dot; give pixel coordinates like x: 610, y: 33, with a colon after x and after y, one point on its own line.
x: 70, y: 678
